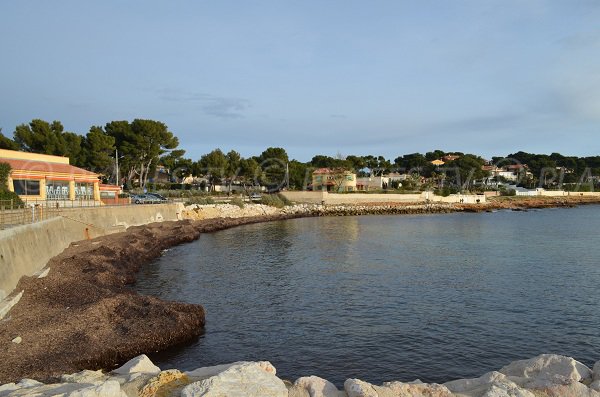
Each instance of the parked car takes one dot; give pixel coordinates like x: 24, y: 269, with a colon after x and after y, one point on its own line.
x: 255, y: 196
x: 138, y: 198
x: 148, y: 198
x: 161, y: 198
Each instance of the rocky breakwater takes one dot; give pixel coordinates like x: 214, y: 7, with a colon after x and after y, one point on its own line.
x: 370, y: 209
x: 212, y: 211
x: 546, y: 375
x: 79, y: 312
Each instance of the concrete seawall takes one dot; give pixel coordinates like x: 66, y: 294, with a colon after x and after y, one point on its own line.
x: 25, y: 250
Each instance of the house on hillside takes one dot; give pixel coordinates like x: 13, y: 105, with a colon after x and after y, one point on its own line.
x: 333, y: 180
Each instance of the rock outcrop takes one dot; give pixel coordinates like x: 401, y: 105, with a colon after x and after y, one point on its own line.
x: 546, y: 375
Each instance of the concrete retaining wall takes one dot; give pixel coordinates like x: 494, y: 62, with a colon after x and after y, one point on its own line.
x: 24, y: 250
x: 363, y: 198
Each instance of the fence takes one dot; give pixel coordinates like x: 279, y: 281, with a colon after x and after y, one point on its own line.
x: 31, y: 211
x: 11, y: 215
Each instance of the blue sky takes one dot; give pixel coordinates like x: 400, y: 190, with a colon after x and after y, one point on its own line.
x: 315, y: 77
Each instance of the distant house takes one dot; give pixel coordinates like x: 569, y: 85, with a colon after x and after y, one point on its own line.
x: 333, y: 180
x: 450, y: 157
x: 438, y: 163
x: 372, y: 183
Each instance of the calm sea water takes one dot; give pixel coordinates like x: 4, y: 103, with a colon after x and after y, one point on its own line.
x: 383, y: 298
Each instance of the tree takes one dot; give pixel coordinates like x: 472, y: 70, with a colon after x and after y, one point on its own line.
x: 141, y: 142
x: 466, y: 169
x: 249, y: 171
x: 435, y: 155
x: 299, y: 175
x: 357, y: 163
x: 7, y: 143
x: 98, y: 148
x: 39, y: 136
x: 5, y: 170
x: 178, y: 166
x: 214, y: 166
x: 273, y: 163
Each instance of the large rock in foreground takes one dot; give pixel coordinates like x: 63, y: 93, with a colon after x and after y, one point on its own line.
x: 542, y: 376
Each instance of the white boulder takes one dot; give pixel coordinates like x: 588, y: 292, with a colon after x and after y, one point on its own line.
x: 574, y: 389
x: 139, y: 364
x: 207, y: 372
x: 596, y: 371
x: 318, y: 387
x: 109, y: 388
x: 547, y: 369
x: 245, y: 379
x: 85, y: 376
x: 359, y: 388
x: 413, y: 389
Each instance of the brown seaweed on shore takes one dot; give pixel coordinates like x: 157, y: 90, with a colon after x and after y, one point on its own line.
x: 82, y: 315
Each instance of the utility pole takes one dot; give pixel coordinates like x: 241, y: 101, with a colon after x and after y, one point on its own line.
x: 287, y: 175
x: 117, y: 166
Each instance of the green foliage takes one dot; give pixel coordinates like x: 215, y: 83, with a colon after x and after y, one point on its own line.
x: 277, y: 200
x: 300, y: 175
x: 273, y: 163
x: 40, y: 136
x: 8, y: 198
x: 98, y: 150
x: 237, y: 201
x: 7, y: 143
x: 141, y: 143
x: 202, y: 200
x: 5, y: 169
x: 214, y: 166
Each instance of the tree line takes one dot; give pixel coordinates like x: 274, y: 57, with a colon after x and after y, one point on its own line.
x: 142, y: 146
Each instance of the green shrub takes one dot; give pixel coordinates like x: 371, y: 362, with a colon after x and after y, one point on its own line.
x: 237, y: 201
x: 10, y: 199
x: 275, y: 200
x: 200, y: 201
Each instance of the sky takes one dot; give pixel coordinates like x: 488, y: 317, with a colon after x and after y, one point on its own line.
x: 490, y: 77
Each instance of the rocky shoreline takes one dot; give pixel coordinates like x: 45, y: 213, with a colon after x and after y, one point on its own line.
x: 81, y: 314
x: 546, y: 375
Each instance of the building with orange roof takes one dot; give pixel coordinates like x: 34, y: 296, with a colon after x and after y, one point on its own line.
x: 45, y: 177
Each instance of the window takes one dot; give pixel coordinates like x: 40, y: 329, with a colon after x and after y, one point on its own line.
x: 349, y: 177
x: 84, y: 191
x: 57, y: 190
x: 26, y: 187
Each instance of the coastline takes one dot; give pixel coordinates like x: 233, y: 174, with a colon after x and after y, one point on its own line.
x: 82, y: 315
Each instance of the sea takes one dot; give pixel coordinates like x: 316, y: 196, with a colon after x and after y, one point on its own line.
x: 381, y: 298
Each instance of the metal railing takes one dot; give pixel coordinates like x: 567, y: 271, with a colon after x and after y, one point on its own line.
x: 12, y: 215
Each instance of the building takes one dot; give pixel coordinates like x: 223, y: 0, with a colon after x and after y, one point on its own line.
x: 333, y: 180
x: 372, y: 183
x: 42, y: 177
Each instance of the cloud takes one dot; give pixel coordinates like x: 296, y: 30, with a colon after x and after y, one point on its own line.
x: 212, y: 105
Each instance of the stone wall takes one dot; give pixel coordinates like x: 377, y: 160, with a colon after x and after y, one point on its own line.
x: 24, y: 250
x: 365, y: 198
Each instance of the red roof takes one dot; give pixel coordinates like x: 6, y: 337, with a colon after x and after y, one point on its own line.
x: 46, y: 167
